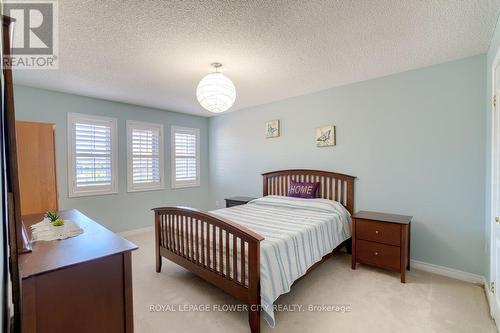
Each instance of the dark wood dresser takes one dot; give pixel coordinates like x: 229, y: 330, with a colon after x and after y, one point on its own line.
x: 382, y: 240
x: 236, y: 201
x: 80, y: 284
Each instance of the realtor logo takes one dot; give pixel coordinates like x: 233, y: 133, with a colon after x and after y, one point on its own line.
x: 34, y: 39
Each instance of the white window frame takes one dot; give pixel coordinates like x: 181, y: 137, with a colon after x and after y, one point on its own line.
x: 73, y: 191
x: 196, y: 132
x: 131, y: 187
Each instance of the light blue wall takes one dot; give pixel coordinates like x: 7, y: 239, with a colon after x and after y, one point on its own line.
x: 122, y: 211
x: 494, y: 47
x: 415, y: 140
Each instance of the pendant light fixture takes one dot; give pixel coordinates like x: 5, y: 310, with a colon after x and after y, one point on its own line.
x: 216, y: 92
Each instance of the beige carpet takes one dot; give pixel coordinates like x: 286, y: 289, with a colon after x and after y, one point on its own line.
x: 378, y: 302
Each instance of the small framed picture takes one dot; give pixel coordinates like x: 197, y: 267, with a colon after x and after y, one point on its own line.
x: 325, y: 136
x: 272, y: 129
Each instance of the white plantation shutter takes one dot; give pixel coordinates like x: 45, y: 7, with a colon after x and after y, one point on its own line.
x: 145, y: 156
x: 92, y: 154
x: 185, y: 157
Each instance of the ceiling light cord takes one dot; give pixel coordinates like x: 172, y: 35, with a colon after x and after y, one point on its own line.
x: 216, y: 65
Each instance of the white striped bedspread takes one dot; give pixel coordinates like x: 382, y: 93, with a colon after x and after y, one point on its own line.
x: 298, y: 233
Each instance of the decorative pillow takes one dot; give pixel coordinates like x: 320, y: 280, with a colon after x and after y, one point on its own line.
x: 302, y: 190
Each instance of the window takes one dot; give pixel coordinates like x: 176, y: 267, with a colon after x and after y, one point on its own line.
x: 92, y: 150
x: 185, y: 157
x: 145, y: 159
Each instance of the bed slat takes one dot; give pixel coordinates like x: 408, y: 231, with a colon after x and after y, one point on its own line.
x: 203, y: 243
x: 191, y: 251
x: 242, y: 261
x: 235, y: 258
x: 214, y: 248
x: 228, y: 273
x: 196, y: 240
x: 221, y: 247
x: 183, y: 249
x: 167, y: 231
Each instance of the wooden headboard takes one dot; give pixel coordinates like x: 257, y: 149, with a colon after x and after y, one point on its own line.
x: 332, y: 186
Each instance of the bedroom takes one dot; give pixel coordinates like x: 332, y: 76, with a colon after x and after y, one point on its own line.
x: 389, y: 106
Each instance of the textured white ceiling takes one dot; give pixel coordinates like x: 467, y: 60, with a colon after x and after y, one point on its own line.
x: 154, y: 53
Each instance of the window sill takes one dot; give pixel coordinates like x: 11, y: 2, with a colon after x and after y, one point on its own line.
x: 180, y: 186
x: 90, y: 194
x: 145, y: 189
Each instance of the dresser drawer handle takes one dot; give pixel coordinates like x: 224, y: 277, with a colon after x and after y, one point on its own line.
x: 376, y: 232
x: 376, y: 253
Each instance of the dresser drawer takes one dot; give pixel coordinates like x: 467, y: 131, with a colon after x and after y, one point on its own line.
x: 381, y: 255
x: 387, y: 233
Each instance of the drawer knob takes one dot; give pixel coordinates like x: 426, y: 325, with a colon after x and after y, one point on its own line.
x: 376, y: 253
x: 376, y: 232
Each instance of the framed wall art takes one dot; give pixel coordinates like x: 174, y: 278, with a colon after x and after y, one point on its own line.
x: 325, y: 136
x: 272, y: 129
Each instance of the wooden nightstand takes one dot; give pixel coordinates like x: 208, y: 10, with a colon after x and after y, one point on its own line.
x: 381, y: 240
x: 236, y: 201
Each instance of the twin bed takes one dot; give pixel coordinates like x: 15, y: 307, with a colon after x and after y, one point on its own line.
x: 256, y: 252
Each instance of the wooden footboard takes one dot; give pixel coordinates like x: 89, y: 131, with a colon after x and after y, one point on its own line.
x: 219, y: 251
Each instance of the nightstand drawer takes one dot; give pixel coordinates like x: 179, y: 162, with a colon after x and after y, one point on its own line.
x: 387, y: 233
x: 381, y: 255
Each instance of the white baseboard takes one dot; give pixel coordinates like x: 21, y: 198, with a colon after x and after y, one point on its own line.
x: 489, y: 297
x: 464, y: 276
x: 494, y: 311
x: 449, y: 272
x: 135, y: 231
